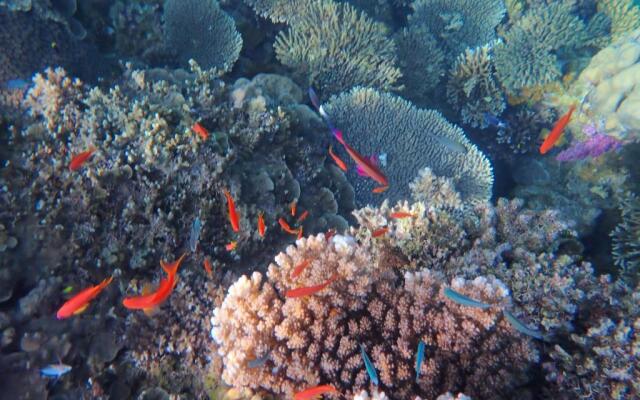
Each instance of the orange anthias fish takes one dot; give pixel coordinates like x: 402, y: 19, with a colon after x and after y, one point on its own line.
x: 556, y: 132
x: 299, y: 268
x: 151, y: 300
x: 402, y: 214
x: 294, y: 208
x: 299, y: 233
x: 303, y: 216
x: 367, y: 167
x: 231, y: 245
x: 380, y: 231
x: 233, y: 214
x: 309, y: 290
x: 261, y: 226
x: 200, y: 131
x: 207, y: 266
x: 79, y: 159
x: 341, y: 164
x: 313, y: 392
x: 80, y: 301
x: 285, y: 226
x: 329, y: 234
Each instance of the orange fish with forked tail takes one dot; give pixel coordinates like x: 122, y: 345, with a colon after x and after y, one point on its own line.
x: 233, y: 214
x: 79, y: 159
x: 309, y: 290
x: 366, y: 166
x: 556, y: 132
x: 314, y: 392
x: 151, y: 300
x: 80, y: 301
x: 261, y: 226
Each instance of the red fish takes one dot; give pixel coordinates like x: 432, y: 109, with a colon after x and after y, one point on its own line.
x: 380, y: 189
x: 303, y: 216
x: 79, y: 159
x: 368, y: 168
x: 309, y: 290
x: 231, y: 246
x: 329, y: 234
x: 233, y: 214
x: 402, y: 214
x: 313, y: 392
x: 285, y: 226
x: 294, y: 208
x: 341, y: 164
x: 299, y: 268
x: 207, y: 266
x: 162, y: 293
x: 200, y: 131
x: 380, y: 231
x: 261, y: 226
x: 299, y: 233
x: 556, y: 132
x: 80, y: 301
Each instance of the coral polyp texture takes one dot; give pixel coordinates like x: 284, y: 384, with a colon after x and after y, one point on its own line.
x: 472, y: 88
x: 624, y: 16
x: 321, y: 55
x: 377, y: 123
x: 626, y: 237
x: 200, y: 30
x: 277, y: 10
x: 459, y: 24
x: 316, y: 340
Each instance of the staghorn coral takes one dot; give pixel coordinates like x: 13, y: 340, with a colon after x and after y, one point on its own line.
x: 321, y: 55
x: 315, y: 340
x: 375, y: 123
x: 278, y: 10
x: 624, y: 16
x: 626, y: 237
x: 472, y: 89
x: 200, y: 30
x: 459, y: 24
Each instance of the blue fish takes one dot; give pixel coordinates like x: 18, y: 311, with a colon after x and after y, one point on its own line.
x: 17, y: 84
x: 492, y: 120
x: 55, y: 370
x: 196, y: 228
x: 464, y: 300
x: 520, y: 327
x: 419, y: 358
x: 371, y: 370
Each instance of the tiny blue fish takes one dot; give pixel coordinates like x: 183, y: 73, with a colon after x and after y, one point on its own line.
x: 196, y: 228
x: 492, y: 120
x: 419, y: 358
x: 371, y: 370
x: 520, y: 327
x: 16, y: 84
x: 55, y: 370
x: 258, y: 362
x: 464, y: 300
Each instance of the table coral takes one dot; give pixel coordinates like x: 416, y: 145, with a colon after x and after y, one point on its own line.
x: 200, y: 30
x: 321, y: 55
x: 381, y: 123
x: 315, y: 340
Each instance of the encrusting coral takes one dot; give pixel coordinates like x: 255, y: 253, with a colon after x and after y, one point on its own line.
x: 407, y: 139
x: 321, y: 55
x: 472, y: 89
x: 200, y: 30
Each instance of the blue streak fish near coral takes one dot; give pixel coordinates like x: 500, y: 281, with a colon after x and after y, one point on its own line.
x: 371, y: 370
x: 419, y: 358
x: 464, y: 300
x: 55, y: 370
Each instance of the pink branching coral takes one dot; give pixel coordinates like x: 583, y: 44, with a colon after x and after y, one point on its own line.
x: 315, y: 339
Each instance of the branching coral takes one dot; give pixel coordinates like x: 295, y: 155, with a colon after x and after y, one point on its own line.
x: 626, y: 237
x: 277, y: 10
x: 200, y: 30
x: 459, y: 23
x: 472, y: 88
x: 624, y: 16
x: 316, y: 339
x: 322, y: 54
x: 375, y: 123
x: 435, y: 191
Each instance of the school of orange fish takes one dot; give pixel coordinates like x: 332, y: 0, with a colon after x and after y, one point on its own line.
x: 149, y: 301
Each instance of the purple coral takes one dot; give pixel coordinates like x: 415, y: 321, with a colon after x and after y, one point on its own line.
x: 596, y: 144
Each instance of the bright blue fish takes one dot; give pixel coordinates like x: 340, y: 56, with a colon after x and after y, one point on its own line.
x: 371, y: 370
x: 196, y: 228
x: 464, y: 300
x: 55, y: 370
x: 492, y: 120
x: 419, y: 358
x: 520, y: 327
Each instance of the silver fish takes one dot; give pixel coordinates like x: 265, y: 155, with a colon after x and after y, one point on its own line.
x: 520, y: 327
x: 451, y: 144
x: 194, y: 237
x: 464, y: 300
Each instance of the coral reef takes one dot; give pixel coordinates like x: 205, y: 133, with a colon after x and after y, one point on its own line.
x: 315, y: 340
x: 200, y: 30
x: 522, y: 129
x: 381, y: 123
x: 626, y: 237
x: 435, y: 191
x: 277, y: 10
x: 472, y: 89
x: 624, y: 16
x: 459, y: 24
x: 137, y: 28
x: 321, y: 55
x: 61, y: 12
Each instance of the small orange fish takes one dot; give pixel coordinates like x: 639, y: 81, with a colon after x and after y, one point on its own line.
x: 299, y: 268
x: 207, y: 266
x: 303, y: 216
x: 149, y: 301
x: 78, y: 303
x: 380, y: 189
x: 231, y: 246
x: 261, y: 227
x: 401, y: 214
x: 299, y: 233
x: 285, y: 226
x: 556, y: 132
x: 329, y: 234
x: 294, y: 208
x: 341, y: 164
x: 79, y: 159
x: 313, y: 392
x: 368, y: 168
x: 380, y: 231
x: 200, y: 131
x: 233, y: 214
x: 309, y: 290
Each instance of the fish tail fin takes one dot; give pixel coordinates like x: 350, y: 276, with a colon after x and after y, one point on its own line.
x: 314, y: 98
x: 106, y: 282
